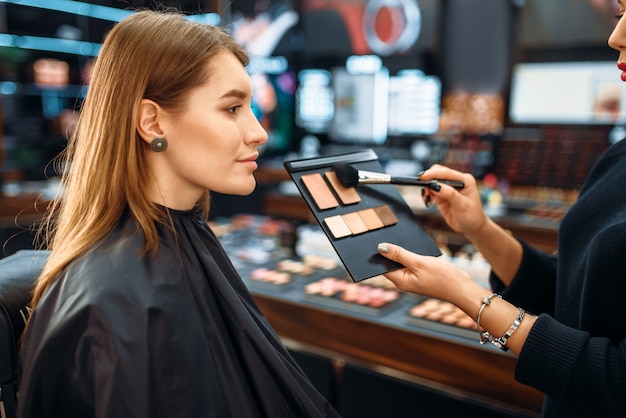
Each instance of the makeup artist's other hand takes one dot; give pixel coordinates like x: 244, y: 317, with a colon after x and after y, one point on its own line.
x: 461, y: 209
x: 425, y: 275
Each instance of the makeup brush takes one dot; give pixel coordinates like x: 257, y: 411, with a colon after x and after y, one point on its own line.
x: 349, y: 176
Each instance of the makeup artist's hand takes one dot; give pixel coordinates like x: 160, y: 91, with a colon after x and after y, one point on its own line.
x: 461, y: 209
x: 425, y: 275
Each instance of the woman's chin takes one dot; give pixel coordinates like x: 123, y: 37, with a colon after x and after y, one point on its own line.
x: 243, y: 189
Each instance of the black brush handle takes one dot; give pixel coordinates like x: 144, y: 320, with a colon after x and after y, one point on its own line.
x: 454, y: 183
x: 412, y: 181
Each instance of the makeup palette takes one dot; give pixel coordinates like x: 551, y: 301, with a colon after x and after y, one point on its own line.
x: 356, y: 219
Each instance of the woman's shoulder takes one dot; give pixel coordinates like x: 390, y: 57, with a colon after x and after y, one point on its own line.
x: 608, y: 170
x: 111, y: 268
x: 616, y: 150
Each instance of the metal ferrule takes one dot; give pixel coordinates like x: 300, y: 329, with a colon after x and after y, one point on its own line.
x: 369, y: 177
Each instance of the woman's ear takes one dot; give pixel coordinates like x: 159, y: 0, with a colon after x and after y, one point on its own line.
x: 148, y: 120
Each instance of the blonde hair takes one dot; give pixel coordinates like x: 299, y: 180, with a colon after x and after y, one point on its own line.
x: 157, y: 55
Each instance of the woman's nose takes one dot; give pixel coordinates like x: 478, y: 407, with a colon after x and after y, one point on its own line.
x: 617, y: 40
x: 256, y: 133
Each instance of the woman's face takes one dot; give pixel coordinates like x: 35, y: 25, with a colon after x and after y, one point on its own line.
x: 617, y: 40
x: 213, y: 144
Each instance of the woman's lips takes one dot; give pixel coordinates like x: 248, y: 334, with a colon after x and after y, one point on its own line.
x: 250, y: 162
x: 622, y: 67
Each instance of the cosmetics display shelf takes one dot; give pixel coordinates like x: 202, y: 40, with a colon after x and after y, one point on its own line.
x: 441, y: 354
x: 331, y: 289
x: 288, y: 292
x: 394, y: 314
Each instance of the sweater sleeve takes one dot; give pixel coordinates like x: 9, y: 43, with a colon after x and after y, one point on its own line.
x: 583, y: 374
x: 533, y: 287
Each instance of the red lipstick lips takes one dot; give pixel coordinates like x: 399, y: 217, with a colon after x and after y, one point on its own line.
x: 622, y: 67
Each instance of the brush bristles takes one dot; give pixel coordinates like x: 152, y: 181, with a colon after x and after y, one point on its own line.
x: 347, y: 175
x: 350, y: 177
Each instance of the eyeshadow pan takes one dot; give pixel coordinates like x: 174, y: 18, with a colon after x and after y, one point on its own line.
x: 337, y: 226
x: 386, y: 215
x: 443, y: 312
x: 354, y: 222
x: 319, y: 191
x: 347, y: 195
x: 371, y: 219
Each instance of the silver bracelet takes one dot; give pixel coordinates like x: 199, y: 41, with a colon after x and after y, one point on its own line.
x: 501, y: 342
x: 484, y: 336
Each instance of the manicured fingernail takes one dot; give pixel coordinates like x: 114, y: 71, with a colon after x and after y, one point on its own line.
x: 383, y: 248
x: 427, y: 201
x: 434, y: 186
x: 420, y: 173
x: 423, y: 192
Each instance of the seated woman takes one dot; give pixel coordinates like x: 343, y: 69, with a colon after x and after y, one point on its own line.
x: 138, y: 311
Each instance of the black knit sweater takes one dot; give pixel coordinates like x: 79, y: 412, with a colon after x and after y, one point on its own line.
x: 576, y: 351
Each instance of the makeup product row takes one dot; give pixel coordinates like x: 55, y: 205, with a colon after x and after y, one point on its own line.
x: 359, y: 222
x: 352, y: 294
x: 441, y: 311
x: 323, y: 196
x: 286, y: 271
x: 275, y: 277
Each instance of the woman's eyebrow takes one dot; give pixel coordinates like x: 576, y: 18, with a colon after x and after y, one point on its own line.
x: 240, y: 94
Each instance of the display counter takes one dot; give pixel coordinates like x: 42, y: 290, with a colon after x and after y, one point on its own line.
x: 453, y: 364
x: 386, y: 337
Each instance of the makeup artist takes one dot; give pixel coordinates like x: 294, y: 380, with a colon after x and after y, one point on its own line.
x: 563, y: 315
x: 138, y: 311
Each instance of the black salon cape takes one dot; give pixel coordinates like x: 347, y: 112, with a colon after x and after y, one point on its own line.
x: 175, y: 335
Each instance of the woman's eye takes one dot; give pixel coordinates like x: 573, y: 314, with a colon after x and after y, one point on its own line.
x: 233, y: 109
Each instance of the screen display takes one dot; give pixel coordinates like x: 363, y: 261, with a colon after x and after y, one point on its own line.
x: 314, y: 100
x: 567, y: 93
x: 382, y: 27
x: 414, y: 103
x: 266, y: 29
x: 273, y: 101
x: 361, y: 106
